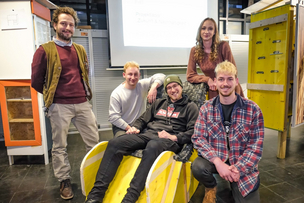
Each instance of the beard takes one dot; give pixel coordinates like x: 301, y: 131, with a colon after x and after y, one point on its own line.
x: 63, y: 37
x: 176, y: 97
x: 227, y: 94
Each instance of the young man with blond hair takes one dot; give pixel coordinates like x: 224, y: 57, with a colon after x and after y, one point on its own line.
x: 128, y: 100
x: 228, y: 136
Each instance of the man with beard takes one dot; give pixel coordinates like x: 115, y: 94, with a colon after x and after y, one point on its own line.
x: 228, y: 136
x: 60, y: 72
x: 166, y: 126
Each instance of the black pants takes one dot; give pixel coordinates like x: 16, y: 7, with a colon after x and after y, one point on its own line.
x: 125, y: 145
x: 117, y: 131
x: 203, y: 171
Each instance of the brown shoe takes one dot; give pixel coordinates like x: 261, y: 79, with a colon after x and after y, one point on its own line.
x: 66, y: 191
x: 210, y: 195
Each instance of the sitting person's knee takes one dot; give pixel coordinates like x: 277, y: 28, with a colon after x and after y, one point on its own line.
x: 199, y: 167
x: 152, y: 144
x: 153, y: 147
x: 114, y: 142
x: 196, y: 167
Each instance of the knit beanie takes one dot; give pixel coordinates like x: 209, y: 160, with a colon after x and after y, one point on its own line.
x: 172, y: 78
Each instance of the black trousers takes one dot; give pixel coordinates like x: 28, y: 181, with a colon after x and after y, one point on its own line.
x: 203, y: 171
x: 117, y: 131
x: 125, y: 145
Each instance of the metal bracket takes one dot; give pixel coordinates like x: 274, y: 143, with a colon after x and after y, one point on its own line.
x: 269, y: 21
x: 276, y: 53
x: 266, y: 28
x: 276, y: 41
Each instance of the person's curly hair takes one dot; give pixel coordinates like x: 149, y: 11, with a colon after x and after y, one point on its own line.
x: 199, y: 48
x: 66, y: 10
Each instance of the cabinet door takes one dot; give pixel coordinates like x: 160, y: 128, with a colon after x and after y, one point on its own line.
x: 269, y: 62
x: 20, y: 115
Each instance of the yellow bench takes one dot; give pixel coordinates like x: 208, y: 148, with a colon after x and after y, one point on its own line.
x: 168, y: 180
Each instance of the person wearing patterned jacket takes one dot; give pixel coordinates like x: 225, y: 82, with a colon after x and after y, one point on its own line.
x: 228, y: 136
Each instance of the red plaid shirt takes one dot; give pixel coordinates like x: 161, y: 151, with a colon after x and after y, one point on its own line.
x: 246, y: 137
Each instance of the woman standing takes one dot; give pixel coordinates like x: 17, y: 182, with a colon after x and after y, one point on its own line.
x: 208, y: 52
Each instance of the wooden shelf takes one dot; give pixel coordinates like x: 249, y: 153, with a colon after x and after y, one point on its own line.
x: 21, y: 99
x: 21, y: 120
x: 20, y: 113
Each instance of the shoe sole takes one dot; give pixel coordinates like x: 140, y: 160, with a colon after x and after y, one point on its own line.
x: 66, y: 198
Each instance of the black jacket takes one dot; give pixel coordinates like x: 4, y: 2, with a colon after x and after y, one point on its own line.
x: 179, y: 122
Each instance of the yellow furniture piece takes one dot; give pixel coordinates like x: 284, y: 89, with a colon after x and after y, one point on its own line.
x: 168, y: 180
x: 270, y: 47
x: 269, y: 65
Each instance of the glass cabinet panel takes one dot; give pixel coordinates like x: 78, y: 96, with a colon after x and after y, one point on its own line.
x: 20, y: 115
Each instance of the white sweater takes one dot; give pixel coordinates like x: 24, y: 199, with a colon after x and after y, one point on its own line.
x: 127, y: 105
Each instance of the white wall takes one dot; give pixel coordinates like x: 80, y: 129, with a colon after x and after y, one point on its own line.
x: 213, y: 9
x: 17, y: 45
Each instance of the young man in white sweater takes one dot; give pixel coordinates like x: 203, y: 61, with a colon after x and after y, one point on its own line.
x: 128, y: 100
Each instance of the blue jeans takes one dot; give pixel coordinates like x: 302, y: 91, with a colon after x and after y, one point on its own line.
x: 125, y: 145
x: 203, y: 171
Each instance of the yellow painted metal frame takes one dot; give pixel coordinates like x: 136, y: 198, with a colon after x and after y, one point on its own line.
x: 268, y: 64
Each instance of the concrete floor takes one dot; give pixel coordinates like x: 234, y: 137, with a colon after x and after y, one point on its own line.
x: 29, y: 180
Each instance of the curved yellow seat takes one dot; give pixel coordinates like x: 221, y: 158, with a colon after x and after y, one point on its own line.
x: 168, y: 180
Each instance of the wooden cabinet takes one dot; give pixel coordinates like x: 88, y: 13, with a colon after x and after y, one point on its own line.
x: 20, y: 114
x: 24, y: 124
x: 23, y: 121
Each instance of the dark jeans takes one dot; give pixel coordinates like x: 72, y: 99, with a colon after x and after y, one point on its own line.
x: 125, y: 145
x: 117, y: 131
x: 203, y: 171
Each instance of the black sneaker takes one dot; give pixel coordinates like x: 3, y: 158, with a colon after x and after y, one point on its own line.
x: 66, y: 191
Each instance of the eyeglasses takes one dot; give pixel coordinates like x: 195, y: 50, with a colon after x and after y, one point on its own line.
x: 172, y: 87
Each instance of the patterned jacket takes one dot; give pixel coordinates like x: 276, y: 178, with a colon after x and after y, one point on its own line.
x: 246, y: 137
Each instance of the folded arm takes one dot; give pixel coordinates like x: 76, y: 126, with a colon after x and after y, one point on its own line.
x: 155, y: 81
x: 192, y: 75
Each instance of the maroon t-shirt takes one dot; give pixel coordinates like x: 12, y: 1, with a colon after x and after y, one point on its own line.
x: 70, y: 88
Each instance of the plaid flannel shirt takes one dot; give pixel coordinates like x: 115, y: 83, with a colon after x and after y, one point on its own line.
x: 246, y: 137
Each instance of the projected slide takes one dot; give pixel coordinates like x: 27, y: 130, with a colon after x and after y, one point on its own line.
x: 162, y: 23
x: 155, y: 33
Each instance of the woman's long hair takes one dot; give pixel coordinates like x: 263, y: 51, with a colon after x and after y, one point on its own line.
x: 199, y: 48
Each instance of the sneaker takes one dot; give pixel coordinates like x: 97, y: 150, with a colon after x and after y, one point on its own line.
x: 66, y: 191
